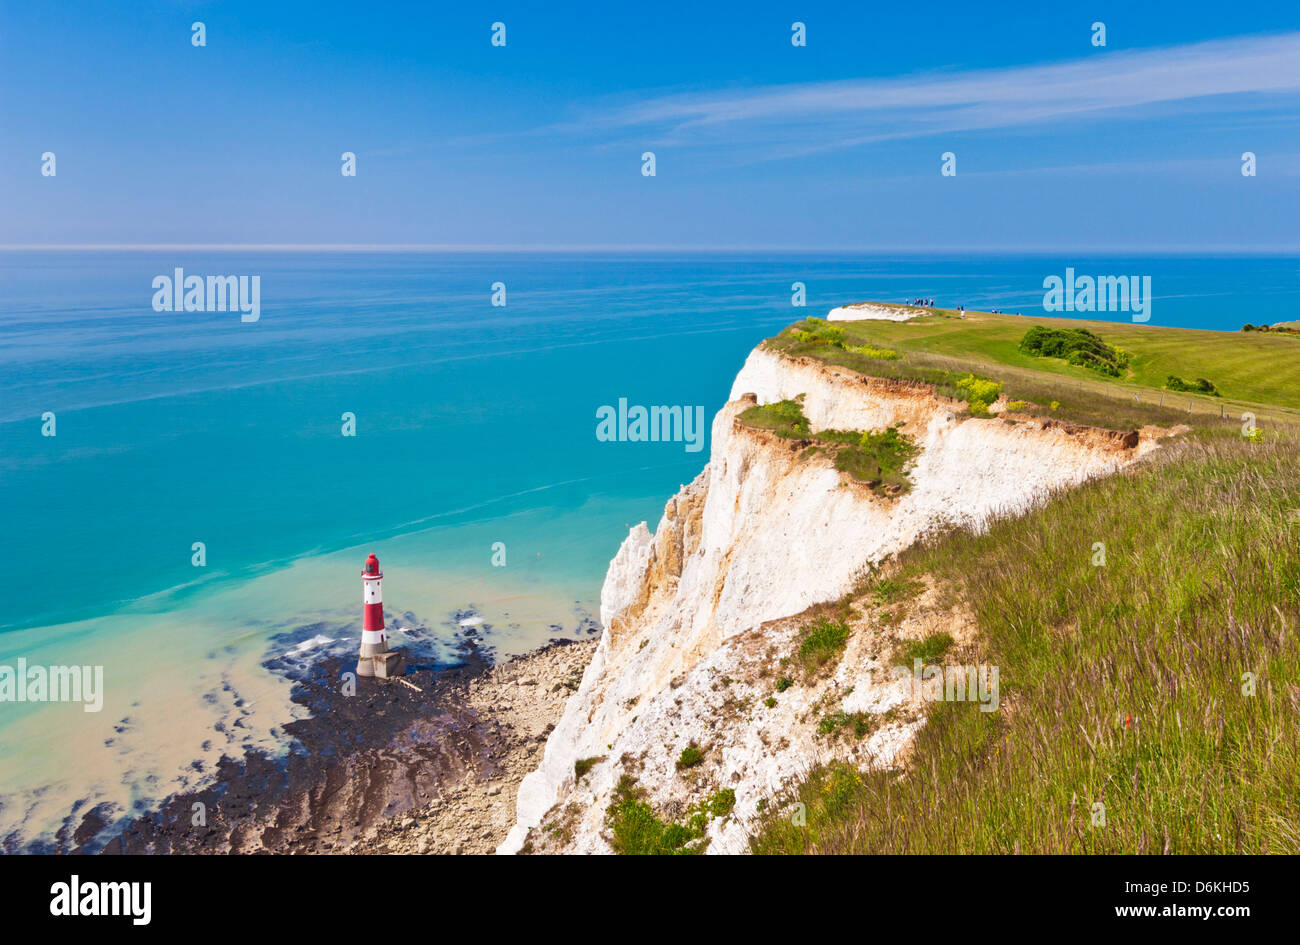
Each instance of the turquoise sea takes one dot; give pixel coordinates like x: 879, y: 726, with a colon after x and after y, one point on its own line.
x: 475, y: 438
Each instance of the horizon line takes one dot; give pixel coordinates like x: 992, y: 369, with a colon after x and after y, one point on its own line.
x: 612, y: 248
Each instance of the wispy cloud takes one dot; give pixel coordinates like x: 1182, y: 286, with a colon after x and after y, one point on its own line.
x: 818, y: 116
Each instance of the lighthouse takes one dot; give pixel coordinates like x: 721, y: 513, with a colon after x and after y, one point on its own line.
x: 376, y: 658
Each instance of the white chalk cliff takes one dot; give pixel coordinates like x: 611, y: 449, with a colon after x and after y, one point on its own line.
x: 761, y: 534
x: 860, y: 311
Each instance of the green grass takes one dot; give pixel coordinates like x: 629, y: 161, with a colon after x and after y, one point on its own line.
x: 784, y: 418
x: 878, y: 354
x: 1121, y: 685
x: 878, y: 458
x: 859, y: 723
x: 1252, y: 370
x: 722, y: 802
x: 690, y: 757
x: 581, y: 766
x: 928, y: 651
x: 822, y: 642
x: 892, y: 589
x: 636, y: 830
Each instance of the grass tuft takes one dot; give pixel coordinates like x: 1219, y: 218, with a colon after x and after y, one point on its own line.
x: 690, y: 757
x: 823, y: 641
x: 928, y: 651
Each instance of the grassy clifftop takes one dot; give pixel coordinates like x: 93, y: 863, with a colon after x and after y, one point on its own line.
x: 1251, y: 371
x: 1146, y: 626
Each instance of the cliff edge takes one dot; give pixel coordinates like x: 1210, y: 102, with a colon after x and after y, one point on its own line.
x: 682, y: 709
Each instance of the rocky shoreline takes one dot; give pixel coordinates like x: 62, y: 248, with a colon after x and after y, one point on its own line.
x: 430, y: 764
x: 520, y: 702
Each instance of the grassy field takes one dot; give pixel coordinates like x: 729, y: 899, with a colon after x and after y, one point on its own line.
x: 1253, y: 371
x: 1150, y: 688
x: 1122, y: 684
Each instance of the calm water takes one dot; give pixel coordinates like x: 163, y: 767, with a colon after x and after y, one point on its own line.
x: 475, y: 426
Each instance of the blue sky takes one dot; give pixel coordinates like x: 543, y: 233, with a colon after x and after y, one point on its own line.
x: 1060, y: 145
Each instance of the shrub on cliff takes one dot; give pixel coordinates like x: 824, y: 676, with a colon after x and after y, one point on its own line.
x: 979, y: 393
x: 876, y: 458
x: 1199, y: 386
x: 635, y: 829
x: 722, y: 803
x: 823, y: 641
x: 690, y: 757
x: 1076, y: 346
x: 784, y: 418
x: 818, y: 331
x: 871, y: 351
x: 1283, y: 329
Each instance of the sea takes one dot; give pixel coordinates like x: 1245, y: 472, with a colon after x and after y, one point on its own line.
x: 187, y: 497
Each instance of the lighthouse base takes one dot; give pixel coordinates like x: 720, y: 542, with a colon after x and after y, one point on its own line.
x: 384, y: 665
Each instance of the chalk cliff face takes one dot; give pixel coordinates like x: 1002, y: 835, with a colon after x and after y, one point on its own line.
x: 761, y: 534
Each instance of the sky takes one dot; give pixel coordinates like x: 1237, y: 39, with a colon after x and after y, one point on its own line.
x: 758, y: 144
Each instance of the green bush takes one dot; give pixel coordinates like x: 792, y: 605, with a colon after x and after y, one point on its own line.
x: 1076, y: 346
x: 818, y: 331
x: 1199, y: 386
x: 722, y: 803
x: 690, y: 757
x: 636, y: 830
x: 784, y: 418
x: 979, y: 393
x: 823, y: 641
x: 870, y: 351
x: 877, y: 459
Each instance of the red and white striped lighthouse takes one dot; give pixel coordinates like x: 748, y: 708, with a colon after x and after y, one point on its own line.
x: 376, y: 659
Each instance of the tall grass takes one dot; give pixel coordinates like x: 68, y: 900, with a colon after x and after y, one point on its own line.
x: 1121, y: 684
